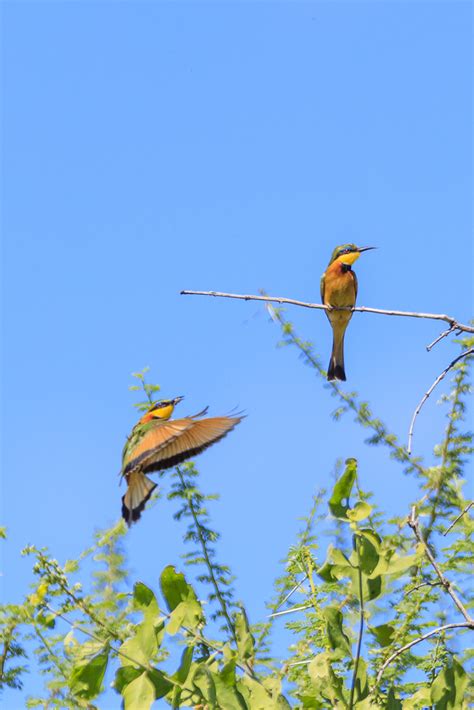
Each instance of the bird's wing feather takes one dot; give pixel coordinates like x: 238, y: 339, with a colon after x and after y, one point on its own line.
x: 323, y: 281
x: 153, y: 440
x: 192, y: 441
x: 356, y: 286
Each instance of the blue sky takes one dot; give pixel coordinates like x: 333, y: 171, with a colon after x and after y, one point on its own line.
x: 154, y: 147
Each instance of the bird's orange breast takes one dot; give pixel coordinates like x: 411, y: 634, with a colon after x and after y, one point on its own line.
x: 339, y: 286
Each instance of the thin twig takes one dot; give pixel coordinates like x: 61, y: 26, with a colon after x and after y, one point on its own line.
x: 91, y: 635
x: 440, y: 377
x: 289, y: 611
x: 415, y: 526
x: 466, y: 509
x: 445, y: 453
x: 360, y: 309
x: 361, y: 631
x: 290, y: 593
x: 422, y: 584
x: 440, y: 337
x: 433, y: 632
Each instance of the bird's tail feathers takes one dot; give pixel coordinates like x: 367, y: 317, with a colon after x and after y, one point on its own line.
x: 139, y: 490
x: 336, y: 363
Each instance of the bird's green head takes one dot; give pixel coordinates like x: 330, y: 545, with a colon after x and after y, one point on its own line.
x: 347, y: 253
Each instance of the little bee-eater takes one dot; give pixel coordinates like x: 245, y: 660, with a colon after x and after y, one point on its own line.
x: 158, y: 442
x: 339, y: 289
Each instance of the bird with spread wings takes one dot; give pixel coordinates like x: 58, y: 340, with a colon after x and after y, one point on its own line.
x: 158, y: 442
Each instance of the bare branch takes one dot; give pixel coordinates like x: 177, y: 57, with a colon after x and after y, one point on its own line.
x: 360, y: 309
x: 466, y: 509
x: 440, y: 337
x: 422, y: 584
x: 440, y: 377
x: 415, y: 526
x: 433, y: 632
x: 289, y: 611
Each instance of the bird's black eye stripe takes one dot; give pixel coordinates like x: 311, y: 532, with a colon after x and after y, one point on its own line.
x: 160, y: 405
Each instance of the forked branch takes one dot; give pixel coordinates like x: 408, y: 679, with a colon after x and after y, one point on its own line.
x: 398, y: 652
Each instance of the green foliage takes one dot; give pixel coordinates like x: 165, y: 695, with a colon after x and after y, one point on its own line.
x: 369, y: 614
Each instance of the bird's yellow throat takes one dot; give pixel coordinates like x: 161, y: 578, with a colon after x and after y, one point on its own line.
x: 163, y: 412
x: 349, y: 258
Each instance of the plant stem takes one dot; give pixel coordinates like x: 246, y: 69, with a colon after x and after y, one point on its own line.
x: 205, y: 551
x: 361, y: 632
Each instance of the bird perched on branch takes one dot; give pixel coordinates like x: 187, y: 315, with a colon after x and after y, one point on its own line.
x: 158, y: 442
x: 339, y: 289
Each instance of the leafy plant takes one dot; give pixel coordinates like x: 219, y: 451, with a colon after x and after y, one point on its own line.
x: 378, y: 618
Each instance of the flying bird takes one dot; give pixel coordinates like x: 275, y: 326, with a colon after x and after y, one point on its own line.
x: 339, y: 288
x: 158, y: 442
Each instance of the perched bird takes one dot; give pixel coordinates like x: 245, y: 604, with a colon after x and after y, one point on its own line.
x: 339, y: 288
x: 158, y: 442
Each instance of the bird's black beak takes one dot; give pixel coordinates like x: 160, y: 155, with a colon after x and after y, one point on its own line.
x: 361, y: 249
x: 176, y: 400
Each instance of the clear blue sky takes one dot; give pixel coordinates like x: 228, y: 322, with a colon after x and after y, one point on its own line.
x: 154, y: 147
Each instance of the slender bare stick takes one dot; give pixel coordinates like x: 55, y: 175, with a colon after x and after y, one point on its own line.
x: 440, y: 377
x: 285, y: 599
x: 360, y: 309
x: 433, y: 632
x: 440, y: 337
x: 415, y: 526
x: 466, y: 509
x: 289, y: 611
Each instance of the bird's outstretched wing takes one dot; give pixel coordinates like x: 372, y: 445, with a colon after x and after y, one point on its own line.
x: 172, y: 442
x: 154, y: 437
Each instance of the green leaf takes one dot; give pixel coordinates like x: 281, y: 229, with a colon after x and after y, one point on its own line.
x: 258, y: 697
x: 399, y: 565
x: 384, y: 634
x: 174, y: 587
x: 336, y: 635
x: 71, y: 566
x: 176, y: 619
x: 186, y: 661
x: 337, y: 565
x: 448, y: 688
x: 342, y: 490
x: 187, y: 613
x: 361, y: 684
x: 143, y: 596
x: 139, y: 694
x: 160, y: 682
x: 245, y: 640
x: 360, y: 511
x: 326, y: 683
x: 419, y: 700
x: 141, y: 647
x: 309, y: 702
x: 228, y: 696
x: 392, y: 702
x: 372, y: 588
x: 366, y: 554
x: 204, y: 682
x: 124, y: 676
x: 86, y: 678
